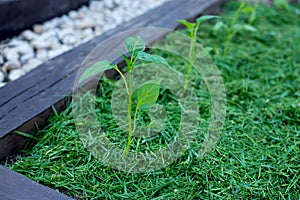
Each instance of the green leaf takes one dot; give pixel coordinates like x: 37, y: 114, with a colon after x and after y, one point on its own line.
x: 249, y: 28
x: 26, y: 135
x: 187, y: 24
x: 205, y: 17
x: 151, y: 58
x: 95, y: 69
x: 219, y: 25
x: 147, y: 95
x: 246, y: 27
x: 248, y: 9
x: 134, y: 44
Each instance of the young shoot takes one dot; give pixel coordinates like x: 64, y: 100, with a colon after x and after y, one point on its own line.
x: 193, y: 30
x: 233, y: 28
x: 146, y: 95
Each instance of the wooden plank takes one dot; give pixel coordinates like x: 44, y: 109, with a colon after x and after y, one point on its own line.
x: 15, y: 186
x: 16, y: 15
x: 28, y: 100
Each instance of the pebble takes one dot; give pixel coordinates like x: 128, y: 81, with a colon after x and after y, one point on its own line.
x: 67, y: 25
x: 40, y: 44
x: 15, y: 74
x: 65, y: 32
x: 32, y: 64
x: 87, y: 34
x: 56, y: 52
x: 2, y: 84
x: 24, y: 48
x: 54, y: 43
x: 69, y: 40
x: 2, y: 76
x: 73, y: 14
x: 24, y: 58
x: 29, y: 35
x: 11, y: 54
x: 38, y: 28
x: 85, y: 23
x: 42, y: 54
x: 47, y: 40
x: 11, y: 65
x: 1, y: 60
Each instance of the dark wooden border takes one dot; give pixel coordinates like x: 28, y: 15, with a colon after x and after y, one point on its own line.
x: 28, y: 100
x: 17, y: 15
x: 15, y: 186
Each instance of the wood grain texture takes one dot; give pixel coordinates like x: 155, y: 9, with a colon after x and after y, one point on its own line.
x: 15, y: 186
x: 27, y: 101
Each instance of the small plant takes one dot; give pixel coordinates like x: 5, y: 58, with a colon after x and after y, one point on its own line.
x: 193, y: 30
x: 233, y: 28
x: 146, y: 94
x: 285, y: 6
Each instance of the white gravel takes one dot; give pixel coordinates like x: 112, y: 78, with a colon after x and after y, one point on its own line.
x: 26, y: 51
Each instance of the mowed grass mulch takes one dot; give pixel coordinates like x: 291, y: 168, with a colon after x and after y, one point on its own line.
x: 258, y: 152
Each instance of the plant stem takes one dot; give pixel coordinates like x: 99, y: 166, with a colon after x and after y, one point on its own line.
x: 230, y: 32
x: 123, y: 77
x: 191, y: 58
x: 130, y: 132
x: 130, y: 129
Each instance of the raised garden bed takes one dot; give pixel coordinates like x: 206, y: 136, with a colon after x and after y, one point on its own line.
x: 258, y: 152
x: 257, y: 156
x: 27, y: 101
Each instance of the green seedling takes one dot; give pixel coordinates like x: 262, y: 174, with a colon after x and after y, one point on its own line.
x: 146, y: 95
x: 252, y: 9
x: 193, y: 30
x: 233, y: 28
x: 285, y: 6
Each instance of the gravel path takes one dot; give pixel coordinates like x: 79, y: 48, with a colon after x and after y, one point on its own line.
x: 26, y: 51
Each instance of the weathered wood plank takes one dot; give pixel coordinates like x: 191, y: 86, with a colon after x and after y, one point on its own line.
x: 16, y: 15
x: 15, y: 186
x: 28, y: 100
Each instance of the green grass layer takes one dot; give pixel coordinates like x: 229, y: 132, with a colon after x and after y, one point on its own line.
x: 257, y: 155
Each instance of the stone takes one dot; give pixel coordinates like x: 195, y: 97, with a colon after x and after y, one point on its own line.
x: 24, y: 48
x: 49, y: 34
x: 53, y: 23
x: 24, y: 58
x: 15, y: 74
x: 11, y: 65
x: 109, y: 4
x: 32, y: 64
x: 67, y: 25
x: 96, y: 6
x: 85, y: 23
x: 11, y: 54
x: 1, y: 59
x: 38, y: 28
x: 62, y: 34
x: 98, y: 30
x: 54, y: 43
x: 87, y: 35
x: 29, y: 35
x: 42, y: 54
x: 98, y: 19
x: 56, y: 52
x: 2, y: 84
x: 69, y: 40
x: 73, y: 14
x: 2, y: 76
x: 40, y: 44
